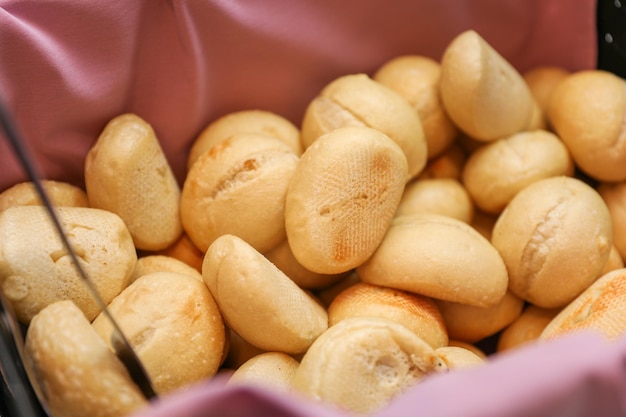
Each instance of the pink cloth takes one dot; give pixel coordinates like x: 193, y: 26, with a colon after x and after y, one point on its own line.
x: 69, y: 66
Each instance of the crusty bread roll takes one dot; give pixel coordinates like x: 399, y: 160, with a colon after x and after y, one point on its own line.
x: 416, y: 78
x: 127, y: 173
x: 61, y: 194
x: 526, y: 328
x: 357, y: 100
x: 174, y: 325
x: 362, y: 363
x: 270, y: 370
x: 415, y: 312
x: 448, y: 164
x: 587, y: 110
x: 456, y: 357
x: 342, y: 198
x: 161, y: 263
x: 483, y: 94
x: 600, y: 308
x: 444, y: 196
x: 238, y: 187
x: 614, y: 195
x: 258, y: 301
x: 245, y: 121
x: 500, y: 169
x: 438, y: 257
x: 78, y: 374
x: 555, y: 237
x: 35, y: 269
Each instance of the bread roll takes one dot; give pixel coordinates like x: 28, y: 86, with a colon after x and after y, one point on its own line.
x: 174, y: 325
x: 438, y: 257
x: 526, y: 328
x: 416, y: 78
x: 78, y: 374
x: 444, y: 196
x: 273, y: 370
x: 456, y: 357
x: 614, y: 195
x: 239, y: 187
x: 362, y: 363
x: 357, y: 100
x: 61, y: 194
x: 498, y: 170
x: 468, y: 346
x: 161, y: 263
x: 258, y: 301
x: 36, y: 270
x: 542, y: 80
x: 483, y: 94
x: 245, y: 121
x: 555, y: 237
x: 587, y: 110
x: 342, y: 197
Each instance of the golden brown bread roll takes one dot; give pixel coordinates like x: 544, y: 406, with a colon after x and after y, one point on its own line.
x: 456, y: 357
x: 174, y: 325
x: 342, y: 197
x: 526, y: 328
x: 542, y: 80
x: 78, y: 374
x: 61, y: 194
x: 444, y: 196
x: 186, y: 251
x: 161, y: 263
x: 555, y: 237
x: 273, y: 370
x: 36, y: 270
x: 357, y: 100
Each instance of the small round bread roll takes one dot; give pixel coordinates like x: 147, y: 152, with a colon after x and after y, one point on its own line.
x: 186, y: 251
x: 415, y: 312
x: 273, y: 370
x: 555, y: 237
x: 449, y: 164
x: 483, y: 94
x: 456, y: 357
x: 258, y: 301
x: 471, y: 324
x: 342, y: 198
x: 245, y: 121
x: 36, y: 270
x: 79, y: 375
x: 542, y: 81
x: 614, y: 195
x: 127, y: 173
x: 600, y: 308
x: 587, y: 110
x: 438, y: 257
x: 238, y: 187
x: 498, y: 170
x: 61, y: 194
x: 174, y: 325
x: 362, y: 363
x: 416, y: 78
x: 526, y: 328
x: 444, y: 196
x: 357, y: 100
x: 161, y: 263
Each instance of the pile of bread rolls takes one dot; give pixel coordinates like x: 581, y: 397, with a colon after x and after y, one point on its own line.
x: 414, y: 213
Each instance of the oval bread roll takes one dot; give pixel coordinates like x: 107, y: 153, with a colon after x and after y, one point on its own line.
x: 362, y: 363
x: 36, y: 270
x: 127, y: 173
x: 174, y: 325
x: 483, y: 94
x: 274, y: 370
x: 526, y: 328
x: 61, y: 194
x: 555, y: 237
x: 342, y: 197
x: 438, y: 257
x: 357, y: 100
x: 78, y: 374
x: 258, y: 301
x: 444, y: 196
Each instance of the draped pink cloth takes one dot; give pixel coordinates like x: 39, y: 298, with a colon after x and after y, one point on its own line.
x: 69, y: 66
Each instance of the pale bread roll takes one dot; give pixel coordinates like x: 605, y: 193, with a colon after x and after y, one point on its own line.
x: 614, y: 195
x: 342, y: 197
x: 456, y: 357
x: 482, y: 92
x: 526, y: 328
x: 186, y: 251
x: 469, y: 346
x: 449, y: 164
x: 555, y: 237
x: 174, y: 325
x: 78, y: 374
x: 238, y: 187
x: 416, y: 78
x: 357, y: 100
x: 36, y: 270
x: 494, y: 173
x: 615, y: 261
x: 161, y: 263
x: 60, y: 194
x: 444, y: 196
x: 588, y: 112
x: 600, y: 308
x: 542, y: 80
x: 258, y: 301
x: 438, y: 257
x: 415, y: 312
x: 362, y: 363
x: 472, y: 324
x: 270, y: 370
x: 127, y: 173
x: 245, y: 121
